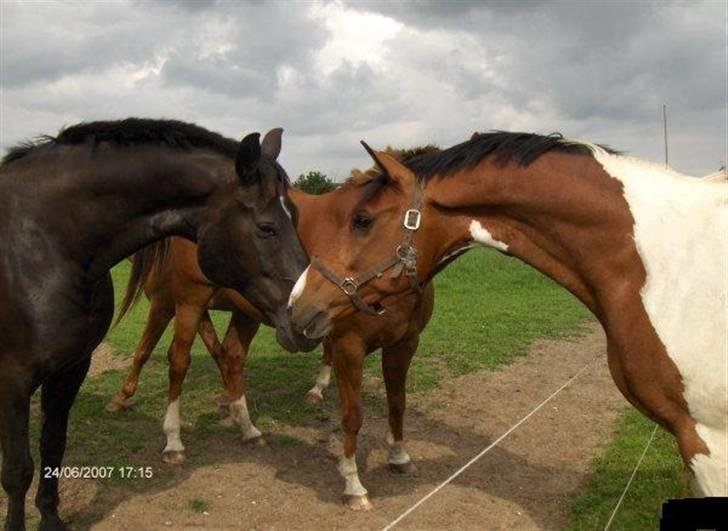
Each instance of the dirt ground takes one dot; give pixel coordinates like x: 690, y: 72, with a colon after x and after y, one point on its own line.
x: 526, y: 482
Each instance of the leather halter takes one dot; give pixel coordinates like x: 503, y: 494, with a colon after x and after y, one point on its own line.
x: 403, y: 261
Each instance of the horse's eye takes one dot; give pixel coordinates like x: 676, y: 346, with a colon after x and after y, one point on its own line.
x: 361, y: 222
x: 266, y: 230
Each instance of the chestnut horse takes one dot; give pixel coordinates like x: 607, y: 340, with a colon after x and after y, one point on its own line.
x: 176, y: 287
x: 643, y: 247
x: 74, y: 205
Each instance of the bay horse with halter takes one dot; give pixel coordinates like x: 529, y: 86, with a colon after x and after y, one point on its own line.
x: 643, y: 247
x: 74, y: 205
x: 176, y: 287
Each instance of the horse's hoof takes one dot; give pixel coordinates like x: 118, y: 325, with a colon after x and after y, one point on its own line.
x: 315, y: 396
x: 357, y: 503
x: 117, y: 404
x: 254, y: 439
x: 52, y: 524
x: 173, y: 457
x: 405, y: 469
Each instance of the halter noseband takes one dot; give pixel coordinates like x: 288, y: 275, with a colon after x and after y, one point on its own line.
x: 403, y: 261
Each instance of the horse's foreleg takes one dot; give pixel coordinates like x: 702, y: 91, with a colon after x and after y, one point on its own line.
x: 57, y: 398
x: 160, y: 313
x: 348, y: 358
x: 17, y: 470
x: 187, y: 320
x: 316, y: 393
x: 395, y: 364
x: 240, y: 333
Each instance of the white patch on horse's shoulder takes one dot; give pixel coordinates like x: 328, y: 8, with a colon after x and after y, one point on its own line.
x: 681, y: 234
x: 298, y: 287
x: 171, y: 427
x: 482, y: 236
x: 285, y: 208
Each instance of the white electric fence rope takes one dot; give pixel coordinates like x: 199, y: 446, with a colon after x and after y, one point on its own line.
x: 487, y: 449
x: 626, y: 487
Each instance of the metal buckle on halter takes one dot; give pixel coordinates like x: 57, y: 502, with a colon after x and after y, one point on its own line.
x: 412, y: 219
x: 349, y: 286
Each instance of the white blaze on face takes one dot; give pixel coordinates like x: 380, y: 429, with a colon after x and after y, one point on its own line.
x: 285, y: 208
x: 171, y: 428
x: 298, y: 287
x: 348, y: 470
x: 239, y: 413
x: 482, y: 236
x: 681, y: 234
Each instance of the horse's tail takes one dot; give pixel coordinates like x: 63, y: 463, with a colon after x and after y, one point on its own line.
x: 144, y: 263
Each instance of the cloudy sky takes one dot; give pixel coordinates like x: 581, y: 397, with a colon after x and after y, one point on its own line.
x: 332, y: 73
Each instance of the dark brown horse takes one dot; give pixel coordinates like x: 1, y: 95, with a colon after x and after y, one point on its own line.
x: 643, y: 247
x: 176, y: 287
x: 73, y: 206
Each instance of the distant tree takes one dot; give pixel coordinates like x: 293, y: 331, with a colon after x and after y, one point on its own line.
x: 314, y: 182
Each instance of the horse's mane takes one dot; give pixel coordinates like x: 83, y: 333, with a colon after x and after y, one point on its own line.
x: 130, y: 132
x: 504, y: 147
x: 358, y: 177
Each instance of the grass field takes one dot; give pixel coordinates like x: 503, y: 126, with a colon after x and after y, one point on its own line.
x: 489, y: 309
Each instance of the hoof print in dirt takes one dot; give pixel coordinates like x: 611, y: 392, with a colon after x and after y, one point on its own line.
x: 174, y: 457
x: 403, y: 469
x: 358, y: 503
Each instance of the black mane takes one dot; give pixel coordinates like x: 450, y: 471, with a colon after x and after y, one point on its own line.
x: 130, y: 132
x: 504, y: 147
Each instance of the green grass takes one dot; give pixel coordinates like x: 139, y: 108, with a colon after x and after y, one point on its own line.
x: 659, y: 477
x: 488, y: 309
x: 198, y: 505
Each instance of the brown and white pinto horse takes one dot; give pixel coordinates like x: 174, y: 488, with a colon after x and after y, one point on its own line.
x: 643, y: 247
x: 176, y: 287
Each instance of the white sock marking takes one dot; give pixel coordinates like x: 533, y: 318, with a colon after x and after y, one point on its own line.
x: 322, y: 381
x: 397, y: 453
x: 348, y: 470
x: 239, y: 413
x: 171, y: 427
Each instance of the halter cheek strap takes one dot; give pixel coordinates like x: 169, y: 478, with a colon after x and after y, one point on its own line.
x: 403, y: 261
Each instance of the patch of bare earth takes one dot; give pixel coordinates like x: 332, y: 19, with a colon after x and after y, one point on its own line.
x: 527, y: 481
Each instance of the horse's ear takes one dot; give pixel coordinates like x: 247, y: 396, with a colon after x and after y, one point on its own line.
x: 247, y: 159
x: 271, y: 145
x: 391, y: 167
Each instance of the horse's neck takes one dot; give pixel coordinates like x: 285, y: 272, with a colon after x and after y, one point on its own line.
x: 562, y: 214
x: 140, y: 196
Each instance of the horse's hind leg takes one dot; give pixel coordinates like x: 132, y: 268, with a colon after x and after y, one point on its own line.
x: 57, y: 397
x: 395, y: 364
x: 316, y: 393
x: 17, y: 470
x: 240, y: 333
x: 160, y: 313
x: 207, y: 332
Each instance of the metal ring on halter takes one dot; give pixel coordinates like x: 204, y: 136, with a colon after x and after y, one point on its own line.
x: 349, y: 286
x: 412, y: 219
